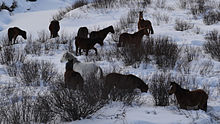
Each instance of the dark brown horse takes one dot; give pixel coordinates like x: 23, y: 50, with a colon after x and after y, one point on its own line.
x: 196, y: 99
x: 54, y: 27
x: 102, y: 33
x: 83, y: 32
x: 73, y: 80
x: 14, y: 32
x: 121, y: 81
x: 135, y: 38
x: 87, y: 44
x: 144, y: 23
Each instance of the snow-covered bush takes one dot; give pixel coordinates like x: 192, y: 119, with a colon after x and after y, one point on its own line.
x: 33, y: 47
x: 124, y: 95
x: 181, y: 25
x: 161, y: 3
x: 72, y: 105
x: 37, y: 73
x: 132, y: 55
x: 43, y: 36
x: 62, y: 12
x: 158, y: 18
x: 211, y: 17
x: 17, y: 112
x: 165, y: 51
x: 187, y: 55
x: 212, y: 44
x: 159, y: 85
x: 11, y: 8
x: 11, y: 55
x: 197, y: 7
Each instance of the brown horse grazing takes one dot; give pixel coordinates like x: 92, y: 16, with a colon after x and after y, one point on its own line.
x: 196, y: 99
x: 102, y: 33
x: 121, y: 81
x: 54, y: 27
x: 72, y: 79
x: 83, y: 32
x: 144, y: 23
x: 87, y: 44
x: 14, y: 32
x: 135, y: 38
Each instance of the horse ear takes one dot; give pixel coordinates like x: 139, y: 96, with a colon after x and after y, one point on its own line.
x: 172, y: 83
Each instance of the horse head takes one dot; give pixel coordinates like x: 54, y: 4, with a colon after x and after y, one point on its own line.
x: 144, y: 87
x: 141, y: 15
x: 173, y: 88
x: 24, y: 34
x: 68, y: 57
x: 112, y: 29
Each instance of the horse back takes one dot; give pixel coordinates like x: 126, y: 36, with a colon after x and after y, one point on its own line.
x: 201, y: 94
x: 94, y: 34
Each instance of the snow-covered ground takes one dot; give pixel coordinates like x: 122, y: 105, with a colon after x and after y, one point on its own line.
x: 34, y: 17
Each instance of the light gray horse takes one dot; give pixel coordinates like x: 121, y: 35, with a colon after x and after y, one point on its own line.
x: 86, y: 69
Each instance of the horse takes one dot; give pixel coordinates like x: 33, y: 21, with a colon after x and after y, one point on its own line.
x: 121, y: 81
x: 72, y: 79
x: 86, y: 69
x: 102, y: 33
x: 14, y: 32
x: 135, y: 38
x: 196, y: 99
x: 83, y: 32
x: 87, y: 44
x: 54, y: 27
x: 144, y: 23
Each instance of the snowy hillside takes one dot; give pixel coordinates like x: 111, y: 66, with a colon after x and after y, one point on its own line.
x: 31, y: 69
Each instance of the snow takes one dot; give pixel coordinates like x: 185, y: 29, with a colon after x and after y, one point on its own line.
x: 34, y: 17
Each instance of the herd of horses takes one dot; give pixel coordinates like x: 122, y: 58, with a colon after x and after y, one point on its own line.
x: 77, y: 72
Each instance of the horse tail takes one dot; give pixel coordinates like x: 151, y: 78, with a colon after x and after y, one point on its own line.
x: 151, y: 29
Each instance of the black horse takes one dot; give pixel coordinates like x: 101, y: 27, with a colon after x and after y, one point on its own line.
x: 101, y: 34
x: 14, y: 32
x: 54, y: 27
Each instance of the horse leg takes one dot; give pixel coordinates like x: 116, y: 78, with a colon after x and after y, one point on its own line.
x: 95, y: 50
x: 87, y: 51
x: 15, y: 38
x: 203, y: 106
x: 77, y: 50
x: 80, y: 51
x: 183, y: 107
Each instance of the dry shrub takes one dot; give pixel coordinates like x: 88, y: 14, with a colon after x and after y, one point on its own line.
x: 72, y: 105
x: 62, y: 12
x: 181, y: 25
x: 212, y: 44
x: 37, y: 73
x: 211, y: 17
x: 165, y: 51
x: 11, y: 55
x: 159, y: 85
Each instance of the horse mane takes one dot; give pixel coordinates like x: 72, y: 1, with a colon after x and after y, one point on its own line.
x: 140, y: 31
x: 181, y: 89
x: 106, y: 28
x: 71, y: 57
x: 69, y: 65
